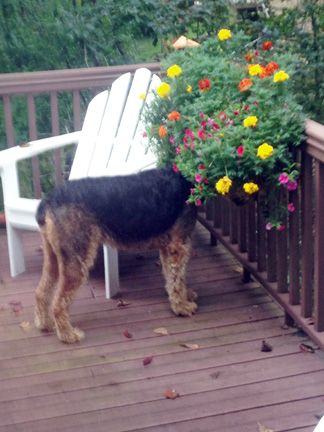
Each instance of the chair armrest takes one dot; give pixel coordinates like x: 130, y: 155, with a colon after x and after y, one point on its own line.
x: 33, y: 148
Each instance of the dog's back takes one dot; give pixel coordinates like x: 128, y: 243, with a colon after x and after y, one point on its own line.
x: 129, y: 208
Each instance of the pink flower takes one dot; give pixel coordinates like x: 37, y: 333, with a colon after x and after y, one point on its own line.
x: 198, y: 178
x: 222, y: 116
x: 198, y: 202
x: 202, y: 115
x: 201, y: 134
x: 175, y: 168
x: 292, y: 185
x: 281, y: 227
x: 291, y: 208
x: 192, y: 191
x: 210, y: 122
x: 178, y: 150
x: 283, y: 178
x: 268, y: 226
x: 203, y: 123
x: 189, y: 133
x: 216, y: 126
x: 229, y: 122
x: 172, y: 139
x: 240, y: 151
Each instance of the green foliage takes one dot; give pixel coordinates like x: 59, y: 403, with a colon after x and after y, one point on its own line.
x: 235, y: 127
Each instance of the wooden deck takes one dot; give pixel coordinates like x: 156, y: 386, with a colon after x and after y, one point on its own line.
x: 226, y: 384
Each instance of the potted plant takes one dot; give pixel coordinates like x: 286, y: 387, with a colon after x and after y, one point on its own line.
x: 225, y: 116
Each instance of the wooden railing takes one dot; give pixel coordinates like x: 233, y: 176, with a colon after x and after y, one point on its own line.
x: 289, y: 263
x: 53, y: 84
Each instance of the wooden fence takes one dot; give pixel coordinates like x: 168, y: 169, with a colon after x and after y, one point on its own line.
x: 289, y: 264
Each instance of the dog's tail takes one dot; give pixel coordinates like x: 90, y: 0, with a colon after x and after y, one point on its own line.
x: 41, y: 212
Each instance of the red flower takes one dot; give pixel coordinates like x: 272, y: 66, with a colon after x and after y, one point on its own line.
x: 267, y: 45
x: 240, y: 151
x: 272, y: 67
x: 204, y: 84
x: 201, y: 134
x: 201, y: 167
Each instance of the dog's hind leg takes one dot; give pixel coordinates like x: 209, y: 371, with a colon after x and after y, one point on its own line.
x: 174, y: 258
x: 76, y: 258
x: 45, y: 288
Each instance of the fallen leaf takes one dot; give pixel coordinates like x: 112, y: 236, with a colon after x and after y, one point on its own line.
x: 25, y: 325
x: 215, y: 375
x: 127, y: 334
x: 190, y: 345
x: 306, y: 348
x: 171, y: 394
x: 16, y: 306
x: 266, y: 347
x: 122, y: 303
x: 161, y: 331
x: 147, y: 360
x: 263, y: 428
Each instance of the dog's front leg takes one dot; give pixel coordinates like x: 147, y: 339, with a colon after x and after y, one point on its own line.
x: 174, y: 258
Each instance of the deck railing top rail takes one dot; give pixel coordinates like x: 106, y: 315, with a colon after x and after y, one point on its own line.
x: 65, y: 79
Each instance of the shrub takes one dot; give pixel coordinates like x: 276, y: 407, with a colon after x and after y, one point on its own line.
x: 227, y: 119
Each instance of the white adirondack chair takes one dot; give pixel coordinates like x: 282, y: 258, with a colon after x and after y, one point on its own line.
x: 111, y: 142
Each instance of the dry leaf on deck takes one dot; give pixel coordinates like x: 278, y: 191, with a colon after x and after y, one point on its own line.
x: 306, y: 348
x: 266, y: 347
x: 122, y: 303
x: 25, y: 325
x: 190, y: 345
x: 171, y: 394
x: 147, y: 360
x: 161, y: 331
x: 127, y: 334
x: 263, y: 428
x: 16, y: 306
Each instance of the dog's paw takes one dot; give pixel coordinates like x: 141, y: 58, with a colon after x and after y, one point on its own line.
x: 75, y: 335
x: 186, y: 308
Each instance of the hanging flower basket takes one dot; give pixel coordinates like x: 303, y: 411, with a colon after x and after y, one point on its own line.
x: 226, y: 118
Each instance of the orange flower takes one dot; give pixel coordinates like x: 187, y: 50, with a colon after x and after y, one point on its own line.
x: 272, y: 67
x: 174, y: 116
x: 249, y: 56
x: 163, y: 132
x: 245, y: 84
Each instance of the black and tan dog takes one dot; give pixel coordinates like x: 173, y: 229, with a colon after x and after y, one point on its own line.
x: 145, y: 210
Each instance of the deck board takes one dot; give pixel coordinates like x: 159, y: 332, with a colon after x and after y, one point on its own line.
x: 101, y: 384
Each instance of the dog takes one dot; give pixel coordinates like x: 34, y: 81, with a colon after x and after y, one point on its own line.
x: 148, y: 210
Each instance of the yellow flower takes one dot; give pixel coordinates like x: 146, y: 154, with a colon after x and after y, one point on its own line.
x: 250, y: 121
x: 280, y: 76
x: 163, y: 90
x: 250, y: 188
x: 224, y: 34
x: 265, y: 150
x: 189, y: 88
x: 142, y: 96
x: 254, y: 69
x: 223, y: 185
x: 174, y: 71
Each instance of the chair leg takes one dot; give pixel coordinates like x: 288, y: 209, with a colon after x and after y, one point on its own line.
x: 15, y: 248
x: 111, y: 271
